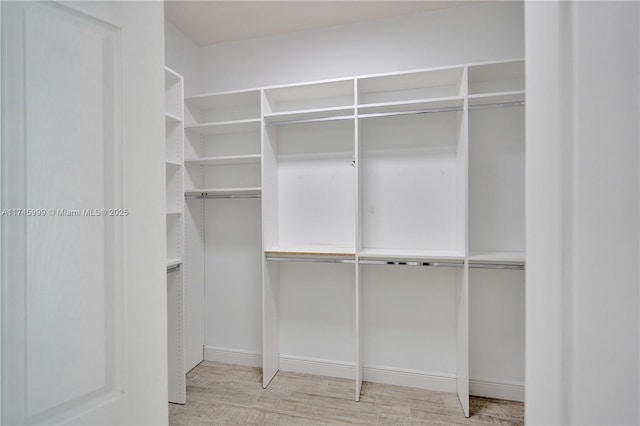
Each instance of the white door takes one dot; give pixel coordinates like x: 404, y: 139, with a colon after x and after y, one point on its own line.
x: 83, y: 234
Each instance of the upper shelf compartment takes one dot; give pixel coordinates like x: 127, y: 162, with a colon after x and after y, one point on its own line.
x: 494, y: 79
x: 172, y: 95
x: 410, y: 91
x: 326, y: 100
x: 225, y: 107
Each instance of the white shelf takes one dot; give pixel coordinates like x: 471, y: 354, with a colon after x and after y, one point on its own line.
x: 225, y: 191
x: 309, y: 96
x: 224, y: 99
x: 497, y: 98
x: 174, y: 211
x: 225, y: 127
x: 410, y: 254
x: 343, y: 112
x: 414, y: 105
x: 505, y: 258
x: 312, y: 251
x: 410, y: 86
x: 496, y: 77
x: 171, y: 117
x: 170, y: 74
x: 173, y: 163
x: 173, y: 262
x: 226, y: 160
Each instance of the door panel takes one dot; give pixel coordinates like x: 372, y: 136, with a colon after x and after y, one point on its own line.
x: 74, y: 342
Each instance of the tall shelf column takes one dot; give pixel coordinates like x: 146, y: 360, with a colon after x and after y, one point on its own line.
x: 174, y: 124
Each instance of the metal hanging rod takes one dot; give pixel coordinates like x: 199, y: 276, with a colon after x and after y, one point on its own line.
x: 311, y: 259
x: 497, y: 105
x: 412, y: 112
x: 173, y: 268
x: 496, y: 266
x: 220, y: 196
x: 445, y: 264
x: 310, y: 120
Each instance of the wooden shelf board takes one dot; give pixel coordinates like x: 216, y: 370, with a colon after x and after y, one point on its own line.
x: 227, y: 160
x: 312, y: 251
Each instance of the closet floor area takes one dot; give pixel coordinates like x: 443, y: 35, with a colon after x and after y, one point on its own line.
x: 230, y: 394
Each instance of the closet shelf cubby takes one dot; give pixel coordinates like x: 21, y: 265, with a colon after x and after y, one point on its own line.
x: 225, y: 160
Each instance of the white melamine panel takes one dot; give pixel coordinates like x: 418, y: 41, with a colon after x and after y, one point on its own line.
x: 447, y: 103
x: 175, y: 337
x: 225, y: 160
x: 270, y: 323
x: 409, y: 172
x: 409, y: 318
x: 309, y: 96
x: 173, y: 141
x: 173, y: 93
x: 316, y: 184
x: 241, y: 143
x: 316, y: 315
x: 496, y: 181
x: 73, y: 279
x: 496, y: 325
x: 410, y: 86
x: 173, y: 174
x: 231, y: 106
x: 500, y: 77
x: 174, y: 236
x: 462, y: 337
x: 232, y: 176
x: 233, y: 271
x: 224, y: 127
x: 194, y: 294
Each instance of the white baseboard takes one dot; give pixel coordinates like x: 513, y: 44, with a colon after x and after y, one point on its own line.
x: 513, y: 391
x: 443, y: 382
x: 320, y: 367
x: 412, y: 378
x: 233, y: 356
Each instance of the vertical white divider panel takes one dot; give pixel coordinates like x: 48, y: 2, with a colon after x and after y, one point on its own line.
x: 270, y: 270
x: 462, y: 277
x: 358, y: 283
x: 174, y: 108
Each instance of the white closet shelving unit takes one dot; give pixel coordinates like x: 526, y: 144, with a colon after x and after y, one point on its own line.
x: 223, y: 163
x: 411, y: 180
x: 175, y: 234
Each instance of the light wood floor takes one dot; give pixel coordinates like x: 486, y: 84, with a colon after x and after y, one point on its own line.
x: 223, y: 394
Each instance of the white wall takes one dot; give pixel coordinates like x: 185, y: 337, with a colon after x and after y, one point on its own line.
x: 452, y: 36
x: 582, y: 213
x: 182, y: 55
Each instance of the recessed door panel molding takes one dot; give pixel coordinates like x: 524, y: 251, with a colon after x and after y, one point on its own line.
x: 63, y: 256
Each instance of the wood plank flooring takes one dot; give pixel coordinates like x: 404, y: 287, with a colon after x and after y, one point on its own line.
x: 223, y: 394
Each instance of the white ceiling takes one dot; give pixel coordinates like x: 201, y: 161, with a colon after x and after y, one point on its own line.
x: 209, y: 22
